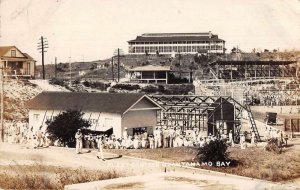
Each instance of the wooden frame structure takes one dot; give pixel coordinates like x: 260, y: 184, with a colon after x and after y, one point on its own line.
x: 253, y: 69
x: 292, y: 125
x: 191, y: 111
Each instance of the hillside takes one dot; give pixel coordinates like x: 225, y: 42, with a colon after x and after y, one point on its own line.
x: 17, y: 92
x: 102, y: 69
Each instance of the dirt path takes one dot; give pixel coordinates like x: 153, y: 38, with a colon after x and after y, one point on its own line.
x: 11, y: 154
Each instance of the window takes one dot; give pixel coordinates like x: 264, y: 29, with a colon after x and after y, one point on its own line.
x: 13, y: 53
x: 108, y: 122
x: 36, y: 116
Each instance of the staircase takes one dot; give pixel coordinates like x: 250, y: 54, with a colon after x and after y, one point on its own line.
x: 253, y: 124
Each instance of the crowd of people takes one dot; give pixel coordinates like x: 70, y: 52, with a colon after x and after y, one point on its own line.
x: 162, y: 137
x: 19, y: 132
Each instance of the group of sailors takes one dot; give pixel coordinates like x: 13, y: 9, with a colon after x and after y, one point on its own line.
x: 273, y: 133
x: 20, y: 133
x: 162, y: 137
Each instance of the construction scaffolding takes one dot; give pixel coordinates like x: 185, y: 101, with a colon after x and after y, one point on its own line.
x: 215, y: 115
x: 253, y: 69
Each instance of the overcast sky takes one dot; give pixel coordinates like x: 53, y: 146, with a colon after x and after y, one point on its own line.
x: 91, y: 29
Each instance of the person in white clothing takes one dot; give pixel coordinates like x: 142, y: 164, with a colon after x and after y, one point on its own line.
x: 78, y: 137
x: 100, y: 145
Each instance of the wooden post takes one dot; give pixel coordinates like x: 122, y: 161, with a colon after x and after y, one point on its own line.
x: 2, y: 105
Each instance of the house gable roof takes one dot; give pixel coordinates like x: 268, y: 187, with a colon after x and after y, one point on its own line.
x: 94, y: 102
x: 5, y: 49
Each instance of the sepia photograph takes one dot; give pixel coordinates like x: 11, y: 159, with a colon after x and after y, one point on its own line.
x: 154, y: 95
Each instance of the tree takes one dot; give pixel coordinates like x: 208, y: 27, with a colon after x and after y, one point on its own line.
x: 64, y: 126
x: 213, y: 152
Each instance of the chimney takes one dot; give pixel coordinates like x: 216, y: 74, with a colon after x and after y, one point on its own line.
x: 209, y: 34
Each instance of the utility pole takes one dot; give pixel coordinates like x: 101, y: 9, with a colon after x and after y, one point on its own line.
x: 2, y: 104
x: 55, y: 67
x: 118, y: 64
x: 70, y: 69
x: 42, y: 46
x: 112, y: 68
x: 179, y: 57
x: 118, y: 52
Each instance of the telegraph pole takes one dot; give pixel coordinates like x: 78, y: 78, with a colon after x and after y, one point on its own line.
x: 55, y: 67
x: 70, y: 70
x: 118, y: 64
x: 42, y: 46
x: 2, y: 105
x: 112, y: 68
x: 118, y: 52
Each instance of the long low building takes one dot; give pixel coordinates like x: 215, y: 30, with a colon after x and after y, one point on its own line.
x: 105, y: 111
x: 169, y: 43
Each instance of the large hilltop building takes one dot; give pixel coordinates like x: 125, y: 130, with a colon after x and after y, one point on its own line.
x: 169, y: 43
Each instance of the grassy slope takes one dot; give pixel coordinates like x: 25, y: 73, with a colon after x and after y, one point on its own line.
x: 252, y: 162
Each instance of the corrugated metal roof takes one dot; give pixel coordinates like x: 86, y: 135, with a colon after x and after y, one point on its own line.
x: 97, y: 102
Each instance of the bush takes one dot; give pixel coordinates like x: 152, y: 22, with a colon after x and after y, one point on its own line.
x: 129, y: 87
x: 86, y: 83
x: 56, y: 81
x: 274, y: 145
x: 150, y: 89
x: 214, y: 151
x: 65, y: 125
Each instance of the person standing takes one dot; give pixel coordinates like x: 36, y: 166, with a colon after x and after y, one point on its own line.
x: 151, y: 141
x: 100, y: 148
x: 171, y: 137
x: 78, y: 137
x: 125, y: 134
x: 252, y: 138
x: 39, y: 136
x: 166, y: 137
x: 156, y: 133
x: 230, y: 136
x: 243, y: 141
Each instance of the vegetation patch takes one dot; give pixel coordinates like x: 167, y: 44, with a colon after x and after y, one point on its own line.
x: 252, y: 162
x: 47, y: 177
x: 125, y: 186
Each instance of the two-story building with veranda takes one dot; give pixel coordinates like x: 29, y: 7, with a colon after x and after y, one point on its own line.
x: 105, y: 111
x: 16, y: 63
x: 169, y: 43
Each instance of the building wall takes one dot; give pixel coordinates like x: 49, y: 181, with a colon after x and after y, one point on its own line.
x: 136, y: 119
x: 99, y: 121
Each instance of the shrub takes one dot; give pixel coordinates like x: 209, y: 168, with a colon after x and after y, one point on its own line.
x: 273, y: 145
x: 213, y: 152
x: 86, y: 83
x: 150, y: 89
x: 129, y: 87
x: 57, y: 81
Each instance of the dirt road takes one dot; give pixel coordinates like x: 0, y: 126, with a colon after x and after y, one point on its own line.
x: 11, y: 154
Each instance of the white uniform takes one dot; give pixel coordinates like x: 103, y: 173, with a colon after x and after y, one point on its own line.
x: 100, y: 145
x: 78, y: 137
